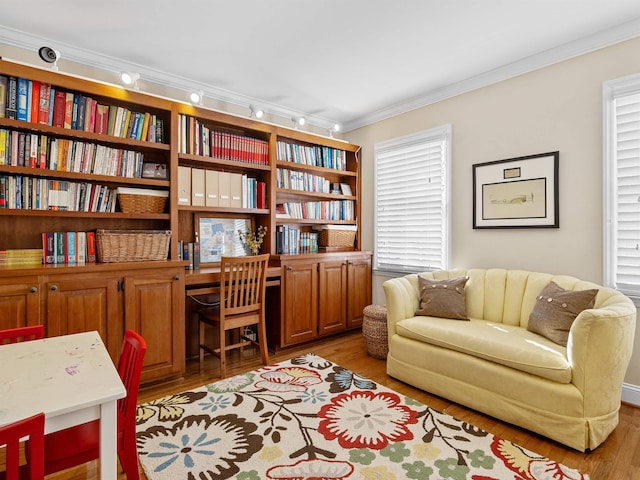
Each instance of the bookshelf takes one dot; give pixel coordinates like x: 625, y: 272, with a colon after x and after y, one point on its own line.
x: 314, y: 180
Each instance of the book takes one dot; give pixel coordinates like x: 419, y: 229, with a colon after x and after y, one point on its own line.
x: 68, y: 109
x: 60, y: 240
x: 81, y: 247
x: 44, y: 103
x: 91, y: 246
x: 102, y: 119
x: 70, y: 247
x: 59, y: 105
x: 11, y: 109
x: 3, y: 95
x: 23, y: 100
x: 34, y: 101
x: 48, y: 248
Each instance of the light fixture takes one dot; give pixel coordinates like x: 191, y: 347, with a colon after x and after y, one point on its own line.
x: 129, y: 78
x: 49, y: 55
x: 196, y: 97
x: 298, y: 121
x: 334, y: 129
x: 256, y: 111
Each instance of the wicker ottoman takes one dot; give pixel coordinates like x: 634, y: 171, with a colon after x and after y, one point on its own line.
x: 374, y: 329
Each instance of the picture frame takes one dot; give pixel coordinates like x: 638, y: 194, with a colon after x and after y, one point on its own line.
x: 218, y: 236
x: 519, y: 192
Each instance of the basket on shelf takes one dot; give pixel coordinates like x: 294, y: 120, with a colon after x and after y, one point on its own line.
x: 337, y: 236
x: 140, y: 200
x: 132, y: 245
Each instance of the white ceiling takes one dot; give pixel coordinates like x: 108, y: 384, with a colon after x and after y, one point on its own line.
x: 351, y: 61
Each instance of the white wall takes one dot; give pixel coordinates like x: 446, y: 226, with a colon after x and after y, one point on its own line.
x: 554, y: 108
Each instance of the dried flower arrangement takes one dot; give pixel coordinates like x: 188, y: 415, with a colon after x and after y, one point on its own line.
x: 253, y: 240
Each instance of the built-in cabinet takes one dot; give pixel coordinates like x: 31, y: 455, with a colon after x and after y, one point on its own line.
x: 298, y: 183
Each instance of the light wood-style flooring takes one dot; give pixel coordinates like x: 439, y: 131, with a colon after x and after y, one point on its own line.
x: 616, y: 459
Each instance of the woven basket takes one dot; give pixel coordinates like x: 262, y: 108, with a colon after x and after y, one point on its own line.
x: 336, y: 238
x: 374, y: 330
x: 132, y: 245
x: 131, y: 203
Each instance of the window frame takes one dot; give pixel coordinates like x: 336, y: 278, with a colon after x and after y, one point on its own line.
x: 437, y: 134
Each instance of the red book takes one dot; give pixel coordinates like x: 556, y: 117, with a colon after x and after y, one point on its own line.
x: 59, y: 102
x: 43, y: 111
x: 102, y: 119
x: 261, y: 200
x: 35, y: 100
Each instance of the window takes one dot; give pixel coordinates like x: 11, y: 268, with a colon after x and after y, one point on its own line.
x: 412, y: 201
x: 621, y: 176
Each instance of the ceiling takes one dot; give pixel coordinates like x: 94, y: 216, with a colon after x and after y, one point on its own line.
x: 348, y: 61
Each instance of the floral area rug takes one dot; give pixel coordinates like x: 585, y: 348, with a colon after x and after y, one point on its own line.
x: 310, y: 419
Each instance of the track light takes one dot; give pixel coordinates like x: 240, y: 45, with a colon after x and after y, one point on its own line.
x: 129, y: 78
x: 256, y: 111
x: 196, y: 97
x: 298, y: 121
x: 49, y: 55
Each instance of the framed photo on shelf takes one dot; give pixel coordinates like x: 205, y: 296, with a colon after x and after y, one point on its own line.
x: 518, y: 192
x: 218, y: 237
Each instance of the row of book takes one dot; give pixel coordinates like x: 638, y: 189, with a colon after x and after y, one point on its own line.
x: 195, y: 138
x: 314, y: 155
x: 213, y: 188
x: 21, y: 256
x: 43, y: 103
x: 68, y: 247
x: 324, y: 210
x: 189, y: 251
x: 41, y: 151
x: 32, y: 193
x: 304, y: 181
x: 293, y: 241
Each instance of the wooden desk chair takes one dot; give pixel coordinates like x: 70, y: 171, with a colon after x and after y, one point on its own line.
x: 21, y: 334
x: 242, y: 292
x: 31, y: 428
x: 79, y: 444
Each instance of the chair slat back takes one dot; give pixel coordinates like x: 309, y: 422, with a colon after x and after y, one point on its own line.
x: 243, y: 283
x: 31, y: 428
x: 132, y: 354
x: 21, y: 334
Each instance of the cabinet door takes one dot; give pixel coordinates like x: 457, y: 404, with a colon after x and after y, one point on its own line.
x: 19, y: 302
x: 300, y: 291
x: 359, y: 289
x: 154, y: 307
x: 332, y: 308
x: 83, y: 303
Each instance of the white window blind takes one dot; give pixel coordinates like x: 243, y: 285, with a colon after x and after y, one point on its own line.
x: 622, y: 185
x: 412, y: 200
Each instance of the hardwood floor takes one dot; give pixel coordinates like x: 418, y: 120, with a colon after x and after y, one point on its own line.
x: 616, y: 459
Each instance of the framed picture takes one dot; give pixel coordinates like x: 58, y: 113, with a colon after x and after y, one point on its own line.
x: 517, y: 193
x: 218, y: 237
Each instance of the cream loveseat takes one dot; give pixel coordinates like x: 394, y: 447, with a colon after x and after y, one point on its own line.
x: 495, y: 365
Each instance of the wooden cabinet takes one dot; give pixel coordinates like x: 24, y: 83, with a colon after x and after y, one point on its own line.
x: 321, y: 295
x: 154, y: 307
x: 19, y: 301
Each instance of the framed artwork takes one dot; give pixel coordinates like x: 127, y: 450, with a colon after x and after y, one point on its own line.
x: 517, y: 193
x: 218, y: 237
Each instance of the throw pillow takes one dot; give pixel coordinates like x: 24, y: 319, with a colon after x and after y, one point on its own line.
x: 442, y: 298
x: 556, y: 309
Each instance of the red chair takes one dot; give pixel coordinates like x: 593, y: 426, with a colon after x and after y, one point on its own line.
x: 21, y: 334
x: 77, y: 445
x: 10, y: 436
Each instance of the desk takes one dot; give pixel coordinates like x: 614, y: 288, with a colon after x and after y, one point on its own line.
x: 71, y: 379
x: 206, y: 280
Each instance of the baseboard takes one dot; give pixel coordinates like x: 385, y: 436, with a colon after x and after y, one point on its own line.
x: 631, y: 394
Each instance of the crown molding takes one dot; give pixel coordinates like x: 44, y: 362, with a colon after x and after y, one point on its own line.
x: 601, y: 39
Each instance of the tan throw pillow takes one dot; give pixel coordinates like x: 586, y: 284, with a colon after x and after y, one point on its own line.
x: 442, y: 298
x: 556, y: 309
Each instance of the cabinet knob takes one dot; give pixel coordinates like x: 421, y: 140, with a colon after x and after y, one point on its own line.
x: 33, y: 290
x: 54, y: 288
x: 289, y: 268
x: 177, y: 277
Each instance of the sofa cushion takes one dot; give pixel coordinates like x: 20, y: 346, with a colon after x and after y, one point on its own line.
x: 508, y: 345
x: 442, y: 298
x: 556, y: 309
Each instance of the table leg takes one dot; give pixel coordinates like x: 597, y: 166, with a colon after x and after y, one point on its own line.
x: 108, y: 439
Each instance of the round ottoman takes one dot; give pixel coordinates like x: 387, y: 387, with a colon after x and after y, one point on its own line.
x: 374, y: 329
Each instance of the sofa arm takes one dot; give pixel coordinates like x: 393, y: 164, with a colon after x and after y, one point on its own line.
x: 599, y: 350
x: 401, y: 299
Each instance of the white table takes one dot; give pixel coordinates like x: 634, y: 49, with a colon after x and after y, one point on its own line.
x: 71, y: 379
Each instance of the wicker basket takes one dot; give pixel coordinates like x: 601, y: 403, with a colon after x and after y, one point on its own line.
x: 132, y: 200
x: 336, y: 238
x: 374, y: 330
x: 132, y: 245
